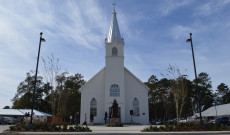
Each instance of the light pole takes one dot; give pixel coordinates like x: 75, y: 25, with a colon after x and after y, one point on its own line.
x: 197, y: 89
x: 41, y: 40
x: 215, y: 103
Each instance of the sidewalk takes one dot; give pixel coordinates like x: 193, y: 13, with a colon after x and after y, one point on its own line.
x: 3, y: 127
x: 126, y: 130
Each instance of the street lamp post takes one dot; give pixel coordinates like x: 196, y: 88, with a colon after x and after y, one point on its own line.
x: 215, y: 103
x: 41, y: 40
x: 197, y: 89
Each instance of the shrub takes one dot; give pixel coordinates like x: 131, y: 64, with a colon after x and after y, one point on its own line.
x: 81, y: 128
x: 116, y: 125
x: 12, y: 128
x: 188, y: 127
x: 146, y: 129
x: 55, y: 127
x: 64, y: 127
x: 225, y: 127
x: 27, y: 128
x: 170, y: 128
x: 18, y: 128
x: 119, y: 125
x: 77, y: 128
x: 155, y: 129
x: 71, y: 128
x: 162, y: 128
x: 45, y: 127
x: 48, y: 127
x: 109, y: 125
x: 34, y: 127
x: 87, y: 129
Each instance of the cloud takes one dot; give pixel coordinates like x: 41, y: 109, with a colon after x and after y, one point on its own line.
x: 210, y: 7
x: 179, y: 31
x: 84, y: 27
x: 167, y: 7
x: 74, y: 23
x: 154, y: 34
x: 11, y: 37
x: 21, y: 23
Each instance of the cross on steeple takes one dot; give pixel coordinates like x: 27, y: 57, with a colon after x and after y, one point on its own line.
x: 114, y: 4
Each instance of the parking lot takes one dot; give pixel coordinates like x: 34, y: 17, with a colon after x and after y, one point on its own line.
x: 4, y: 127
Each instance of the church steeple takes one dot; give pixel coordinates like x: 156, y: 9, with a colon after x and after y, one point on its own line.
x: 114, y: 32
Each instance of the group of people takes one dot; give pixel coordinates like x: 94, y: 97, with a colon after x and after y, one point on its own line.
x: 26, y: 117
x: 77, y: 119
x: 85, y: 119
x: 27, y: 114
x: 107, y: 118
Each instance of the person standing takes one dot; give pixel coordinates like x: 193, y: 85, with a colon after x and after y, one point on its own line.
x: 91, y: 119
x: 85, y: 120
x: 110, y: 114
x: 77, y: 116
x: 105, y: 117
x: 28, y: 114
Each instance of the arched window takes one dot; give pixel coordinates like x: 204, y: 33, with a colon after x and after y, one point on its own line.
x: 114, y: 90
x: 93, y: 107
x: 135, y: 107
x: 114, y: 51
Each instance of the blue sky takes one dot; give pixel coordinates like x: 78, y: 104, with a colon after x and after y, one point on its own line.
x: 154, y: 31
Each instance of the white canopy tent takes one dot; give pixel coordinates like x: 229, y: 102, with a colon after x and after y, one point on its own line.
x: 21, y: 112
x: 216, y: 111
x: 10, y: 112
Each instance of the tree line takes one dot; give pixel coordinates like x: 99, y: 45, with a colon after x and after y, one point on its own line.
x: 56, y: 93
x: 63, y: 101
x: 162, y: 104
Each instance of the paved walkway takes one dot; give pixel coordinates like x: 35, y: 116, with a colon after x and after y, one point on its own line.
x: 3, y: 127
x: 126, y: 130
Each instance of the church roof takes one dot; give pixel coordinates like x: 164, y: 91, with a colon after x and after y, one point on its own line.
x: 114, y: 32
x: 147, y: 88
x: 102, y: 70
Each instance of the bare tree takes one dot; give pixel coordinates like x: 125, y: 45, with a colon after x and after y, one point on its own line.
x: 179, y: 89
x: 51, y: 70
x: 63, y: 94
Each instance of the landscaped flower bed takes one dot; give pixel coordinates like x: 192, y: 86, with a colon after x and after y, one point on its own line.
x: 114, y: 125
x: 187, y: 127
x: 44, y: 127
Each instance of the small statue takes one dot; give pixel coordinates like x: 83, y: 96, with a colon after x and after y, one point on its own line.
x: 115, y: 110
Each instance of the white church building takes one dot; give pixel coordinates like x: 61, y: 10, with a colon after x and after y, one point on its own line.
x: 115, y: 82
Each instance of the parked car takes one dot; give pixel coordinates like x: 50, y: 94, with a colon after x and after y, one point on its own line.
x: 152, y: 122
x: 2, y: 121
x: 220, y: 120
x: 18, y: 120
x: 228, y: 121
x: 159, y: 122
x: 9, y: 120
x: 183, y: 120
x: 172, y: 121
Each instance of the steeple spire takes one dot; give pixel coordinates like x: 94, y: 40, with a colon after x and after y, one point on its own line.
x: 114, y: 4
x: 114, y: 32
